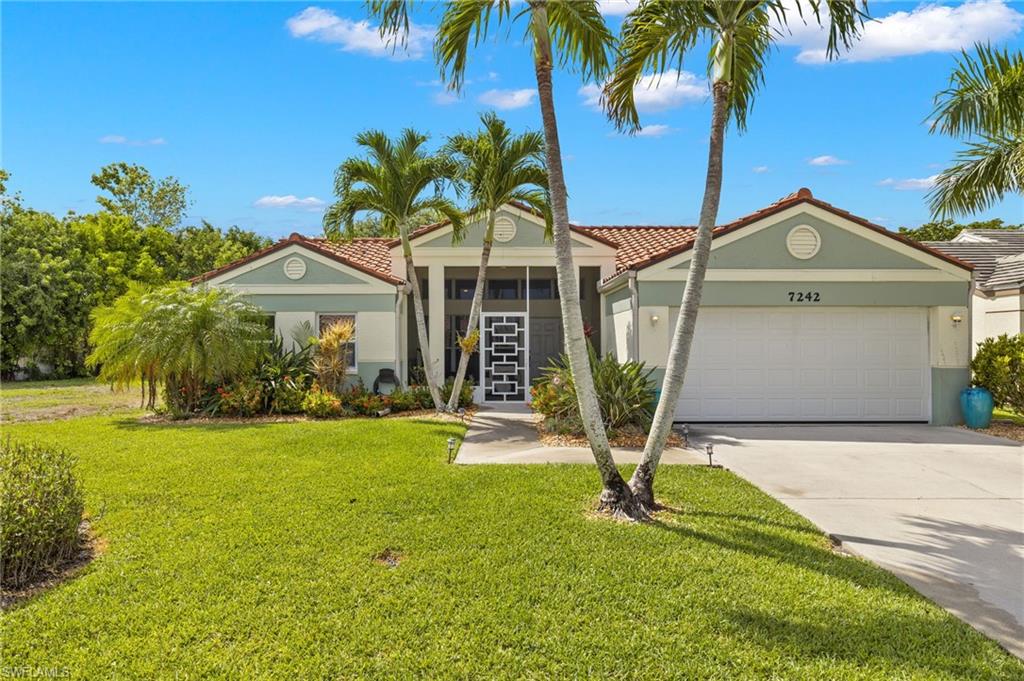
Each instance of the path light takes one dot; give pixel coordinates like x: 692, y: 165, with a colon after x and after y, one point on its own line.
x: 686, y: 436
x: 462, y: 413
x: 451, y: 448
x: 710, y: 449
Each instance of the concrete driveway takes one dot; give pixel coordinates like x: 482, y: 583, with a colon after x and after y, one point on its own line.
x: 941, y: 508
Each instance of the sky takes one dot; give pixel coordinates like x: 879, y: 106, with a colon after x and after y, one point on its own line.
x: 254, y: 105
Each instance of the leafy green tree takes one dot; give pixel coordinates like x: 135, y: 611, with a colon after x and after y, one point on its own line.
x: 203, y: 248
x: 658, y: 35
x: 184, y: 337
x: 48, y: 284
x: 946, y: 230
x: 496, y: 166
x: 397, y: 180
x: 984, y: 104
x: 135, y: 193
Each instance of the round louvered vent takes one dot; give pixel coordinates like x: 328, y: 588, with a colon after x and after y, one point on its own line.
x: 504, y: 230
x: 295, y: 268
x: 803, y: 242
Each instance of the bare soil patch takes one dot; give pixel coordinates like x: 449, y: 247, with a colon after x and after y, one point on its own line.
x: 630, y: 439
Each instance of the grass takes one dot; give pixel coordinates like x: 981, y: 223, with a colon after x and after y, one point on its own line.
x: 248, y: 550
x: 1005, y: 415
x: 47, y: 400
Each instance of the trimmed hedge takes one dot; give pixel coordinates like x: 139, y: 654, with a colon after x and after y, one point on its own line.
x: 41, y: 506
x: 999, y: 366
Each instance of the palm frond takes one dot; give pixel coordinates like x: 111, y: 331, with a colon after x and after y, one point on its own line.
x: 982, y: 175
x: 463, y: 25
x: 580, y: 36
x: 985, y: 94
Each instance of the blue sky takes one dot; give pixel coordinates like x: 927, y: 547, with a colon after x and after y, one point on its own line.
x: 254, y: 105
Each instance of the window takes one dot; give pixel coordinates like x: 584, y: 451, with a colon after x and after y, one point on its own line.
x: 462, y: 289
x: 326, y: 319
x: 543, y: 289
x: 503, y: 289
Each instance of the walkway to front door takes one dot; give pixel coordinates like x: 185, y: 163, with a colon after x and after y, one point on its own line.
x: 506, y: 434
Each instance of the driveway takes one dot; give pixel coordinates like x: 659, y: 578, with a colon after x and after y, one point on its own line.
x: 941, y: 508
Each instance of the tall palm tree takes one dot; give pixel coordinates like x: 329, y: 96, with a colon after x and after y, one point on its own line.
x: 393, y: 182
x: 572, y: 32
x: 496, y: 166
x: 656, y: 36
x: 984, y: 101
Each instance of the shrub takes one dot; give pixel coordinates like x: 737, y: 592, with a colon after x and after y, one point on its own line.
x: 404, y: 400
x: 465, y: 394
x: 285, y: 376
x: 999, y: 366
x: 288, y: 395
x: 369, y: 404
x: 41, y: 507
x: 420, y: 394
x: 321, y: 404
x: 625, y: 393
x: 241, y: 398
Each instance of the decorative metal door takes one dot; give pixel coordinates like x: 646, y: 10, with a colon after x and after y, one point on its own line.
x: 504, y: 356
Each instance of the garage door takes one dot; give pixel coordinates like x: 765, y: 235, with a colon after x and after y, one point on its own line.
x: 821, y: 364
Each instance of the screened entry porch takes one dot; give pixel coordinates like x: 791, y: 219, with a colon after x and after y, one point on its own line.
x: 520, y: 325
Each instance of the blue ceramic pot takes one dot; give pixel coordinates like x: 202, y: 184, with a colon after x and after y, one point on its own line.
x: 976, y: 405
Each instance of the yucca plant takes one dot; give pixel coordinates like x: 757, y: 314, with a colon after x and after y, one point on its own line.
x: 332, y: 354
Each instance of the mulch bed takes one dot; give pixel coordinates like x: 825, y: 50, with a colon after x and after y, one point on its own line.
x: 89, y: 548
x: 1007, y: 429
x: 632, y: 440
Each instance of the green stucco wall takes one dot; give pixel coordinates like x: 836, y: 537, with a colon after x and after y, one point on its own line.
x: 528, y: 234
x: 840, y: 249
x: 946, y: 387
x: 368, y: 371
x: 324, y: 302
x: 617, y: 300
x: 316, y: 273
x: 831, y: 293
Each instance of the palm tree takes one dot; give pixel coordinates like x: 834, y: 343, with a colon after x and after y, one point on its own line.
x: 496, y: 167
x: 184, y: 337
x: 574, y: 33
x: 392, y: 183
x: 656, y: 36
x: 984, y: 100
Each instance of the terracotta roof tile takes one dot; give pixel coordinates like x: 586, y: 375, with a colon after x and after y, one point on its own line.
x: 636, y: 244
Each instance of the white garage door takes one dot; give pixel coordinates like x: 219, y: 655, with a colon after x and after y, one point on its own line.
x: 820, y: 364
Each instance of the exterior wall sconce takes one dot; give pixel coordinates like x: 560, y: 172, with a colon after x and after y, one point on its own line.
x: 654, y: 319
x: 956, y: 319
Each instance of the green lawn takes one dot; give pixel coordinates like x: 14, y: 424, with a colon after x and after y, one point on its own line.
x: 248, y: 551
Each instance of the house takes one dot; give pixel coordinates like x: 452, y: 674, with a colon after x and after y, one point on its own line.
x: 809, y: 312
x: 998, y: 259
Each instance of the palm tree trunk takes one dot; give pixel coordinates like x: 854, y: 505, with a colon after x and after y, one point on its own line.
x: 616, y: 497
x: 642, y: 482
x: 421, y: 322
x: 474, y: 311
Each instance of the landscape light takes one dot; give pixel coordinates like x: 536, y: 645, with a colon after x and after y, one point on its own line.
x: 451, y: 448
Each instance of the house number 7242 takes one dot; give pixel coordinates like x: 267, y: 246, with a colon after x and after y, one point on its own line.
x: 804, y: 297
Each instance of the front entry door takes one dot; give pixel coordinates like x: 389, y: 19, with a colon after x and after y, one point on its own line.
x: 504, y: 348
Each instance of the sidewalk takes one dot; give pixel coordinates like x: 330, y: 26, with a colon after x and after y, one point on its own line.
x: 507, y: 434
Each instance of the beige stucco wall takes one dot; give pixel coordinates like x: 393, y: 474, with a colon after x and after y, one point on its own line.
x: 997, y: 315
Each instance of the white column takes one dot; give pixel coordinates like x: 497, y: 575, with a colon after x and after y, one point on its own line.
x: 435, y: 312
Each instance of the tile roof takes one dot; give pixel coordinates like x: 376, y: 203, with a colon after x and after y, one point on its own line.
x: 369, y: 255
x: 1009, y: 273
x: 1010, y: 237
x: 637, y: 246
x: 986, y: 255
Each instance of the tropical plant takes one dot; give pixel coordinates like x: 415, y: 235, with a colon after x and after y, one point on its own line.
x: 41, y: 507
x: 625, y: 392
x: 496, y: 166
x: 187, y: 338
x: 998, y: 365
x: 573, y: 33
x: 656, y: 36
x: 321, y: 404
x: 285, y: 375
x: 331, y: 359
x: 392, y: 183
x: 984, y: 104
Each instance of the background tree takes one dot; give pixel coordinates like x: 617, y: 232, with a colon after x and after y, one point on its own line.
x: 657, y: 35
x: 134, y: 192
x: 496, y: 166
x: 984, y: 104
x: 393, y: 183
x: 946, y: 230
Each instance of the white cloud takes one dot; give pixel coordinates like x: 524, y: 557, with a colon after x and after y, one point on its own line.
x: 288, y: 201
x: 657, y: 130
x: 927, y: 28
x: 508, y: 99
x: 616, y: 8
x: 315, y: 23
x: 445, y: 97
x: 910, y: 184
x: 654, y: 92
x: 760, y: 169
x: 826, y: 160
x: 121, y: 139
